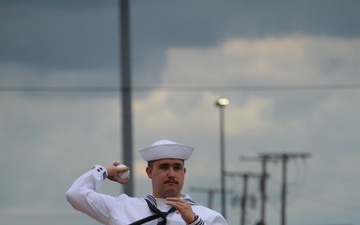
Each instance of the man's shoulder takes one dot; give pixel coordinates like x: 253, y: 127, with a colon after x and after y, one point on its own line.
x: 124, y: 198
x: 204, y: 209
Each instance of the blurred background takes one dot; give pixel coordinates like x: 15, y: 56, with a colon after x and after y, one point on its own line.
x: 289, y: 69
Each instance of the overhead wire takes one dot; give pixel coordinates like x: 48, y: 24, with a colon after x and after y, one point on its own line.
x: 300, y: 87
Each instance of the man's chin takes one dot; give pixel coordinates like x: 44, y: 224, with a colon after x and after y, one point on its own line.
x: 172, y: 192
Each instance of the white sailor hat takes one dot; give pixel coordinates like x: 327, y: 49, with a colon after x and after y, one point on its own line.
x: 164, y: 149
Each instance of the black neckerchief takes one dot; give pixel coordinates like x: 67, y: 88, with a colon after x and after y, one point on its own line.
x: 151, y: 201
x: 157, y: 215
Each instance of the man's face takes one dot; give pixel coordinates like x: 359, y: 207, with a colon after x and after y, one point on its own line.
x: 167, y: 177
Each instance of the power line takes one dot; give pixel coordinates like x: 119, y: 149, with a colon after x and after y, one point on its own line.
x: 305, y: 87
x: 60, y: 89
x: 254, y: 87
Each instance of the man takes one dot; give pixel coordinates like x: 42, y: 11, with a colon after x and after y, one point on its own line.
x: 165, y: 205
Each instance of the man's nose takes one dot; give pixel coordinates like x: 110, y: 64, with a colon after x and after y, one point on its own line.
x: 171, y: 173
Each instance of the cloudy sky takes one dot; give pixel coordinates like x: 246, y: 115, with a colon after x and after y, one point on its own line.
x: 290, y: 69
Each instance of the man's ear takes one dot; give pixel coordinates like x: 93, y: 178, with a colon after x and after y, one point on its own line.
x: 149, y: 172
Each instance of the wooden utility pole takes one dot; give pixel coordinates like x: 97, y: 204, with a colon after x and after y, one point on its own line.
x: 262, y: 184
x: 245, y: 177
x: 284, y: 157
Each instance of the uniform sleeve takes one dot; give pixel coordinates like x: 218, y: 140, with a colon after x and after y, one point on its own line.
x: 83, y: 195
x: 209, y: 217
x: 219, y: 220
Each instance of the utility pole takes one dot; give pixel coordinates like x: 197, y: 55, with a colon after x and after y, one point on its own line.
x: 262, y: 185
x: 126, y: 91
x: 264, y: 176
x: 245, y: 177
x: 284, y: 157
x: 210, y: 192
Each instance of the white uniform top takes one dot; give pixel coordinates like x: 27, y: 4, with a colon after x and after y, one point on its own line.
x: 124, y: 210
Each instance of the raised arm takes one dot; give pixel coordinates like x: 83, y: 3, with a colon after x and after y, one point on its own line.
x: 83, y: 194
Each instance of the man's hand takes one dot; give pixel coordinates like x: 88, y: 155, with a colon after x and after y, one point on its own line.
x: 113, y: 172
x: 183, y: 207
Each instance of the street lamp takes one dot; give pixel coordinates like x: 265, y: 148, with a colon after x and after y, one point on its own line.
x: 221, y: 103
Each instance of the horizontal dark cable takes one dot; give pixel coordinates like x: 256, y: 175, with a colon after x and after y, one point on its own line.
x: 59, y: 89
x: 188, y: 88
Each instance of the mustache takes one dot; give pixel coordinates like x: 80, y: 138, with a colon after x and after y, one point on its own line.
x: 171, y: 181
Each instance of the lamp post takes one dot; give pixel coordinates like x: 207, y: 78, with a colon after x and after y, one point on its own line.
x: 221, y: 103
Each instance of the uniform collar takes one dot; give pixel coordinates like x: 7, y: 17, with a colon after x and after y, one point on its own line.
x: 186, y: 197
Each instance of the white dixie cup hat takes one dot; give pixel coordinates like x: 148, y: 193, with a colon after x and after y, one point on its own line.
x: 164, y: 149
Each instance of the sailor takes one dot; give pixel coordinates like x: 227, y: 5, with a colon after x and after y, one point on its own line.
x: 166, y: 204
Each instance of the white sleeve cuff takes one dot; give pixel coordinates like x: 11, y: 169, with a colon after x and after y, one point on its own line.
x: 197, y: 221
x: 100, y: 171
